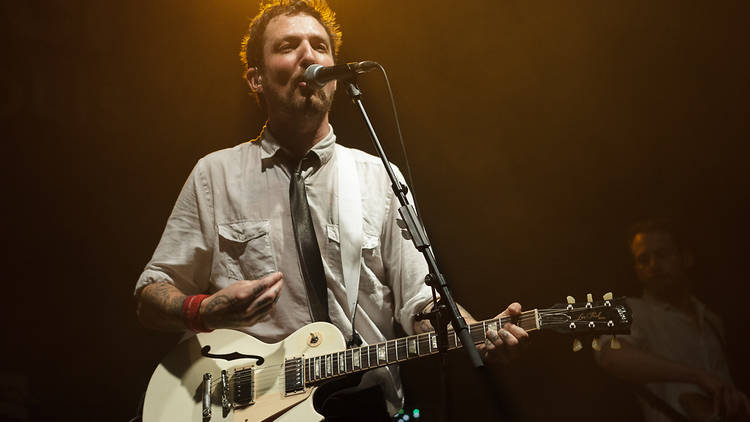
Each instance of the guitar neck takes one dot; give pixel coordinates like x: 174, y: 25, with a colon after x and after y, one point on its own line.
x: 358, y: 359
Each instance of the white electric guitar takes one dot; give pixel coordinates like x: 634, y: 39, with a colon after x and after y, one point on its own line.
x: 227, y: 375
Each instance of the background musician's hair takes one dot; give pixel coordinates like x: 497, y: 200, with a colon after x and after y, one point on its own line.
x: 663, y: 225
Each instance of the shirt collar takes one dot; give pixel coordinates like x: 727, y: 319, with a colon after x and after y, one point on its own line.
x: 323, y: 149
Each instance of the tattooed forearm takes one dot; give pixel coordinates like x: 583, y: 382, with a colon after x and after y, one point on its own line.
x: 424, y: 325
x: 166, y: 295
x: 159, y: 306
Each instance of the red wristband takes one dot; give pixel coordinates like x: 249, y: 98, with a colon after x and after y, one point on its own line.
x: 191, y: 315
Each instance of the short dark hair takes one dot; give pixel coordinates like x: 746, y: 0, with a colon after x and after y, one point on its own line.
x: 651, y: 225
x: 251, y: 51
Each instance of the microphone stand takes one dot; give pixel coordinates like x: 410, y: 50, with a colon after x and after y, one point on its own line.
x: 444, y: 311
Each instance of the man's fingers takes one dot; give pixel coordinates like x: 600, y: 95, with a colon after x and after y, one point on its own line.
x: 264, y: 303
x: 508, y: 339
x: 517, y: 332
x: 259, y: 309
x: 492, y: 336
x: 493, y: 347
x: 271, y: 279
x: 258, y: 287
x: 512, y: 309
x: 489, y: 345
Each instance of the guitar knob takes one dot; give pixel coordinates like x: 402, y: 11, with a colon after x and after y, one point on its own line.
x: 615, y: 343
x: 589, y: 299
x: 577, y: 345
x: 595, y: 344
x: 608, y: 296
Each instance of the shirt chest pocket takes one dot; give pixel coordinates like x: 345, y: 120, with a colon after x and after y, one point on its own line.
x: 245, y: 250
x: 371, y: 258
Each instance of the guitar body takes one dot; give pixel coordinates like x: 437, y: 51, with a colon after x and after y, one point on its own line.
x: 175, y: 391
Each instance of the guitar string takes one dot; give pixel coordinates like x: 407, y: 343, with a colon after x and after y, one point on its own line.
x: 364, y: 363
x: 477, y: 328
x: 394, y: 345
x: 391, y: 346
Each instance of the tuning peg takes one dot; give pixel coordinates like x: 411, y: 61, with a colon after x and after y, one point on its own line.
x: 595, y: 344
x: 608, y: 296
x: 589, y: 299
x: 615, y: 343
x: 577, y: 345
x: 571, y: 300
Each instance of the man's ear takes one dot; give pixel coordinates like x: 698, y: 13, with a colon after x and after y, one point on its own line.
x: 254, y: 79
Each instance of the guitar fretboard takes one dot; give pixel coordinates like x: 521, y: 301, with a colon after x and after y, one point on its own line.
x: 362, y: 358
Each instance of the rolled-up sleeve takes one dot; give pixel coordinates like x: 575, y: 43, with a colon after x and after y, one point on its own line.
x: 184, y: 253
x: 405, y: 267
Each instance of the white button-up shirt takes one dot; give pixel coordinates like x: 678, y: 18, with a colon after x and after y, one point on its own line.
x: 232, y: 222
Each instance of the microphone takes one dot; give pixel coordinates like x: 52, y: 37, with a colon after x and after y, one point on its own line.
x: 317, y: 75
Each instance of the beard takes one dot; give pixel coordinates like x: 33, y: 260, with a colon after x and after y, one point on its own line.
x: 311, y: 102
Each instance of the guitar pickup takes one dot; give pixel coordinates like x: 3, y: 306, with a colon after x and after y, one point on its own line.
x: 243, y: 386
x: 294, y: 380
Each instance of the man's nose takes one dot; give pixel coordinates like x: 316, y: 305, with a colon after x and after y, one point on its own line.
x: 308, y: 55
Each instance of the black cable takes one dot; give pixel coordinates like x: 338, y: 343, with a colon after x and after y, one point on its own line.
x: 401, y: 140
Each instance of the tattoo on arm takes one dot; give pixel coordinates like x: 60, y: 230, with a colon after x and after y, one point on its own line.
x: 164, y: 295
x: 159, y: 306
x: 424, y: 325
x: 219, y: 300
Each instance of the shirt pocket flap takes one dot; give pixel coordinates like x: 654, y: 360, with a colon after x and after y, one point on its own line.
x: 245, y: 231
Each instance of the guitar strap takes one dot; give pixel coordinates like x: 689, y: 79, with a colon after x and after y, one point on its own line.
x: 350, y: 227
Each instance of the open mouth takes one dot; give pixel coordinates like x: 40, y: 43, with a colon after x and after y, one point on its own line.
x: 305, y: 89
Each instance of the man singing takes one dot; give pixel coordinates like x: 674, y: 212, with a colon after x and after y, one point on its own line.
x: 254, y: 240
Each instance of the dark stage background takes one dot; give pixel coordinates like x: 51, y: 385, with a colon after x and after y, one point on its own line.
x: 537, y: 131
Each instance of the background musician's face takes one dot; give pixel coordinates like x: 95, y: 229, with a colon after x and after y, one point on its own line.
x: 290, y: 45
x: 659, y: 263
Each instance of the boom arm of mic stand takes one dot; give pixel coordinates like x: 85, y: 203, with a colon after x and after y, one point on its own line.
x: 419, y: 237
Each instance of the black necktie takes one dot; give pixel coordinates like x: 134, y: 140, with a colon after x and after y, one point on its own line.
x: 307, y: 247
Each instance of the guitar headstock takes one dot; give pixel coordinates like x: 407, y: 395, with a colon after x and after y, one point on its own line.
x: 590, y: 318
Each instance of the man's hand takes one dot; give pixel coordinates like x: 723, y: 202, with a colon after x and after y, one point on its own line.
x: 243, y: 303
x: 728, y: 402
x: 503, y: 345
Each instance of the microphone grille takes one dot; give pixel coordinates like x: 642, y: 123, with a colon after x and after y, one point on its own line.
x: 311, y: 71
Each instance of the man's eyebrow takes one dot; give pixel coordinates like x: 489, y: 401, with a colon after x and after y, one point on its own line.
x: 298, y: 37
x: 320, y: 38
x: 286, y: 38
